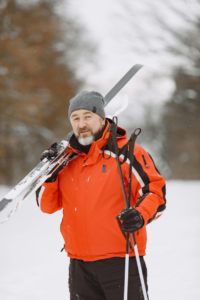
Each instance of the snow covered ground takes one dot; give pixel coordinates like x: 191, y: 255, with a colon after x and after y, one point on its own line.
x: 32, y: 266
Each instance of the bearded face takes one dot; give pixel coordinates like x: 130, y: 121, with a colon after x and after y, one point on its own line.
x: 87, y: 126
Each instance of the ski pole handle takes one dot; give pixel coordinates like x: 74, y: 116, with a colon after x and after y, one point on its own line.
x: 114, y: 140
x: 131, y: 157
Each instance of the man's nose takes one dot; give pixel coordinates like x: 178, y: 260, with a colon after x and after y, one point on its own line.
x: 82, y: 123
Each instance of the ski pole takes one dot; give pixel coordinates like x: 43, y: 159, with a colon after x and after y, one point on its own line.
x: 139, y: 268
x: 131, y: 150
x: 126, y: 271
x: 131, y: 157
x: 134, y: 136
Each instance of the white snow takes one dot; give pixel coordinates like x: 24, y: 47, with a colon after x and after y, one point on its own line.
x: 32, y: 266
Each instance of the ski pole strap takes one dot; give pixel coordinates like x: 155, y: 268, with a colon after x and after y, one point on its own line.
x: 113, y: 136
x: 112, y: 146
x: 131, y: 158
x: 132, y: 140
x: 114, y: 140
x: 109, y: 143
x: 124, y: 151
x: 130, y: 144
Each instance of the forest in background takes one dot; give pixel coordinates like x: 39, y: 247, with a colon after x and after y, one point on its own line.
x: 38, y: 49
x: 180, y: 119
x: 36, y: 82
x: 174, y: 137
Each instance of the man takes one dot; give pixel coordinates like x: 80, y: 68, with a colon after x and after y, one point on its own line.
x: 89, y: 191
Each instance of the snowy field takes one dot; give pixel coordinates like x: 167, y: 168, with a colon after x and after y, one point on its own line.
x: 32, y: 266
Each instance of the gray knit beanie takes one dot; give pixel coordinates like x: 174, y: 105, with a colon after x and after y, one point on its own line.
x: 92, y: 101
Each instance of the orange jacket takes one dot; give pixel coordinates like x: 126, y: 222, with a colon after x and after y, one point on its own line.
x: 89, y: 191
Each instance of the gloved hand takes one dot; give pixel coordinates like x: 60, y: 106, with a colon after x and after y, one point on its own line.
x: 53, y: 177
x: 50, y: 153
x: 131, y: 220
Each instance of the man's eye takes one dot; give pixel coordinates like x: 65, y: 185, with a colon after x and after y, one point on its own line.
x: 88, y: 117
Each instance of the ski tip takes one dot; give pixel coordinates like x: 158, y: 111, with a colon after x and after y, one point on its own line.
x: 121, y: 83
x: 137, y: 67
x: 3, y: 203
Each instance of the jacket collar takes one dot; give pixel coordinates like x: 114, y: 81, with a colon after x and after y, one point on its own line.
x: 96, y: 145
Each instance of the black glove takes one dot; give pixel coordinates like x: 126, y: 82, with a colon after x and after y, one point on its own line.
x: 131, y: 220
x: 50, y: 153
x: 53, y: 177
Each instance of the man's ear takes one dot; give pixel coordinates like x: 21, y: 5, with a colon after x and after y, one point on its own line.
x: 104, y: 121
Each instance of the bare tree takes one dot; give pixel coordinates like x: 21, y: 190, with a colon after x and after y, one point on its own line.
x: 181, y: 114
x: 170, y: 30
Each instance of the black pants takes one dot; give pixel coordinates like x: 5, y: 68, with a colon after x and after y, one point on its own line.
x: 104, y: 279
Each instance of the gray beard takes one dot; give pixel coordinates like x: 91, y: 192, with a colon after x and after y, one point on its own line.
x: 93, y: 137
x: 87, y: 140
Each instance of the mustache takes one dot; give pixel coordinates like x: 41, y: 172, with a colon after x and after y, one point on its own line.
x: 84, y: 129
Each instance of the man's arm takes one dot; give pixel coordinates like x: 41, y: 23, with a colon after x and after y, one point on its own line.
x: 148, y: 186
x: 49, y: 198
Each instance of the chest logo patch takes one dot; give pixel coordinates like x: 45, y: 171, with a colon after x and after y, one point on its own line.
x: 104, y: 169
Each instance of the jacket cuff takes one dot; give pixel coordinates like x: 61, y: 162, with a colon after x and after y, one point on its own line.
x: 52, y: 185
x: 144, y: 214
